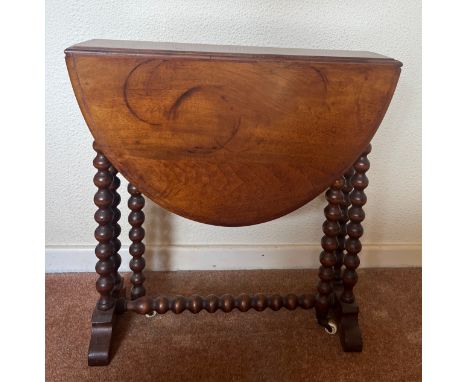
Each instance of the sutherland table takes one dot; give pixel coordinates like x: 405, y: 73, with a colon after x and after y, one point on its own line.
x: 229, y: 136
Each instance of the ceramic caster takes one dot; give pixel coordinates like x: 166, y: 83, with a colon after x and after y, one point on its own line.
x: 331, y: 328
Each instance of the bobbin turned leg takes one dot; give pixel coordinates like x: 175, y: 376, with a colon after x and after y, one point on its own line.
x: 136, y: 218
x: 104, y: 313
x: 116, y: 259
x: 331, y: 229
x: 347, y: 309
x: 347, y: 188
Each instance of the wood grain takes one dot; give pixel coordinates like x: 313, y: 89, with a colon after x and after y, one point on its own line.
x: 230, y: 138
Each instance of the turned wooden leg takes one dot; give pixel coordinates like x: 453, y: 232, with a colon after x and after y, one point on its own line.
x: 351, y: 338
x: 331, y: 229
x: 116, y: 259
x: 103, y: 316
x: 354, y: 228
x: 104, y: 233
x: 347, y: 188
x: 136, y: 218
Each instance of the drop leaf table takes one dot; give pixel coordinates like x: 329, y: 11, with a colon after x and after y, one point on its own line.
x: 229, y: 136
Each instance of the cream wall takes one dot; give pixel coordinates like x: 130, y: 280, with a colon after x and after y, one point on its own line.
x: 389, y: 27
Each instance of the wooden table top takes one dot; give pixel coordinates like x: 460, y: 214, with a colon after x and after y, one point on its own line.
x: 230, y: 135
x: 172, y: 48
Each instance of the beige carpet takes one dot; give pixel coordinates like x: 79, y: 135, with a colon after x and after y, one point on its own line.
x: 252, y: 346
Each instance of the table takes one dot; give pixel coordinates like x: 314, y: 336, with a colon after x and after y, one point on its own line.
x: 229, y: 136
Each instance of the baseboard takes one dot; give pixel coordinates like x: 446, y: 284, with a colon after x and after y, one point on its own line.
x: 173, y: 258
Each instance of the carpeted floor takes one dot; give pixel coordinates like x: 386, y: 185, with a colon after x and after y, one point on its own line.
x: 252, y: 346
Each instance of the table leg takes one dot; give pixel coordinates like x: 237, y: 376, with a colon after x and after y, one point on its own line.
x: 116, y: 258
x: 347, y: 188
x: 104, y: 313
x: 351, y: 338
x: 331, y: 229
x: 104, y: 233
x: 136, y: 218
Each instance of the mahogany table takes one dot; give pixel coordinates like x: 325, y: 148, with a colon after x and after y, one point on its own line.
x: 229, y: 136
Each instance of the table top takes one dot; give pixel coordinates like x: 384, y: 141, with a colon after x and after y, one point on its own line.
x: 187, y: 49
x: 228, y: 135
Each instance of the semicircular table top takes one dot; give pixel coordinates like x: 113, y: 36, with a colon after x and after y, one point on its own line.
x: 230, y: 135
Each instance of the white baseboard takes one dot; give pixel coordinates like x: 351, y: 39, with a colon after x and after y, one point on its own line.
x: 174, y: 258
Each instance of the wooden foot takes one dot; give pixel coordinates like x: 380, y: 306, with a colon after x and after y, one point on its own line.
x: 102, y: 323
x: 350, y: 333
x: 101, y: 335
x: 346, y: 315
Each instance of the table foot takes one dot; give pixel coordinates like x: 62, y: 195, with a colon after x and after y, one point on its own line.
x: 102, y: 324
x: 350, y: 333
x: 101, y: 335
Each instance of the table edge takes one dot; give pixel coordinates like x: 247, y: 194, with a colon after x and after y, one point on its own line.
x: 82, y: 48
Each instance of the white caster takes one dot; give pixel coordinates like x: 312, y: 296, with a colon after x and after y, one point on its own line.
x: 333, y: 327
